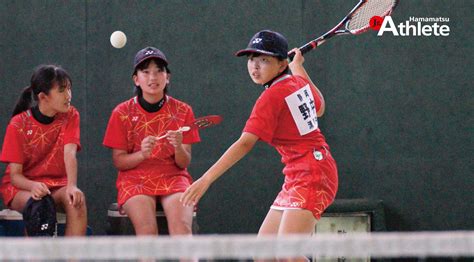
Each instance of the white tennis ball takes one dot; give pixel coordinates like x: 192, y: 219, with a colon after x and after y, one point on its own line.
x: 118, y: 39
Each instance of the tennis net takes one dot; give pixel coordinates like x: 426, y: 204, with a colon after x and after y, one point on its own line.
x: 449, y: 244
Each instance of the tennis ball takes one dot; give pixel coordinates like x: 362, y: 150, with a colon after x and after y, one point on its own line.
x: 118, y: 39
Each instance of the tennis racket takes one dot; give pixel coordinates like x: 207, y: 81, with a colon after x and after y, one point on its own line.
x: 356, y: 22
x: 199, y: 123
x: 181, y: 129
x: 206, y: 121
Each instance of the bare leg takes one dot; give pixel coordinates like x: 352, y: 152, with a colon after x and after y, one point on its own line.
x: 271, y: 224
x: 76, y: 216
x: 179, y: 217
x: 141, y: 210
x: 19, y: 201
x: 297, y: 221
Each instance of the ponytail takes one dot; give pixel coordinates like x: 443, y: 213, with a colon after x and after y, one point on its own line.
x: 24, y: 102
x: 42, y: 81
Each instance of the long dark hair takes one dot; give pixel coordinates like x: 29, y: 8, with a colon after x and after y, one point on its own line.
x: 143, y: 65
x: 43, y: 79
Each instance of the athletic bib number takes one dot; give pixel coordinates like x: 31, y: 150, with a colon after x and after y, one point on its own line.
x: 303, y: 109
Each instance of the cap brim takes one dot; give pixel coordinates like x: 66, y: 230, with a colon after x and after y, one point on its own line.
x: 253, y: 51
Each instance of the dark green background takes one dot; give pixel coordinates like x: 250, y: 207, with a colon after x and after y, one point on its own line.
x: 399, y: 109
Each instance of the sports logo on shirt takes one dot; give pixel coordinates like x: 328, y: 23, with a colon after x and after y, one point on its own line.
x: 303, y: 109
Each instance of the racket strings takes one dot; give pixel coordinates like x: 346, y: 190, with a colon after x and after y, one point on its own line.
x: 203, y: 123
x: 361, y: 18
x: 207, y: 121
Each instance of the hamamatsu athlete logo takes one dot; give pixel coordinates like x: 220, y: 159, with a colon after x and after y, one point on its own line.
x: 414, y: 26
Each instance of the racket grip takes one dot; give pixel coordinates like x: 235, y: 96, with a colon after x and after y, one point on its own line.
x: 304, y: 49
x: 308, y: 47
x: 160, y: 137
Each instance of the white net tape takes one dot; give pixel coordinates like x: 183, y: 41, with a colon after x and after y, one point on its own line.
x: 371, y: 8
x: 376, y: 245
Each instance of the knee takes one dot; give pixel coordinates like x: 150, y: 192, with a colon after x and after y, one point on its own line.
x: 182, y: 226
x: 81, y: 210
x: 146, y: 229
x: 78, y: 210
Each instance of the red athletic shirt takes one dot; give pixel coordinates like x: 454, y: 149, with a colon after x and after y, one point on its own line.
x: 284, y: 116
x: 129, y: 124
x: 40, y: 147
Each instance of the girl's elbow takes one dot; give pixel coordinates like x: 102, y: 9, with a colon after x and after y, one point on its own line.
x: 119, y: 165
x: 245, y: 144
x: 14, y: 180
x: 116, y: 165
x: 183, y: 164
x: 321, y: 111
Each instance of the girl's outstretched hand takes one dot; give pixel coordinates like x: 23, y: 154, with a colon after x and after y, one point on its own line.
x: 194, y: 192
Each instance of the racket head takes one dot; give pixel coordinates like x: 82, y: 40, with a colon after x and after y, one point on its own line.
x: 206, y: 121
x: 359, y: 21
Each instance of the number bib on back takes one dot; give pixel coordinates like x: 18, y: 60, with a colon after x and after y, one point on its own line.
x: 303, y: 110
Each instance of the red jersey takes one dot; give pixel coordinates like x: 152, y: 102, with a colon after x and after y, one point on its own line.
x: 40, y: 147
x: 129, y: 124
x: 284, y: 116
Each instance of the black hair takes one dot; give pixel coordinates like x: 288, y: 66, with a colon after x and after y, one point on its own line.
x: 43, y: 79
x: 143, y: 65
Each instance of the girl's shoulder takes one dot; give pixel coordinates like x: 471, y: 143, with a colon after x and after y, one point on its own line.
x: 72, y: 113
x: 127, y: 104
x: 21, y: 117
x: 291, y: 80
x: 288, y: 85
x: 300, y: 79
x: 176, y: 102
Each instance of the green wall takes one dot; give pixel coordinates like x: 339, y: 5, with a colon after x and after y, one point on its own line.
x: 398, y: 117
